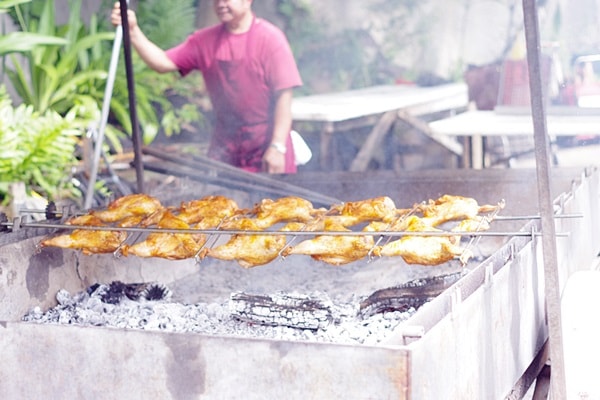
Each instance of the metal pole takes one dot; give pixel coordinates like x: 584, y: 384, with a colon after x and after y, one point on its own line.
x: 542, y: 155
x: 99, y: 140
x: 135, y: 132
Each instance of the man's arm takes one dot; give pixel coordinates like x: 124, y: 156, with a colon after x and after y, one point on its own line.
x: 153, y: 56
x: 282, y: 124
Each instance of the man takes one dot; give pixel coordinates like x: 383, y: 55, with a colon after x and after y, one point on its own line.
x: 249, y: 72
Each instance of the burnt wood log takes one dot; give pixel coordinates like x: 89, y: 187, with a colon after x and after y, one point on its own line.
x: 282, y: 309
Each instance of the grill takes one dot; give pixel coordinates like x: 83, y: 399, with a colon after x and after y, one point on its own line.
x: 484, y: 336
x: 478, y: 335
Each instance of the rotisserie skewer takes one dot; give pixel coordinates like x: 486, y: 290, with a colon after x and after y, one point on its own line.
x: 251, y: 245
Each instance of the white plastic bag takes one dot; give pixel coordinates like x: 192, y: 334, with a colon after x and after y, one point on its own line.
x: 302, y: 152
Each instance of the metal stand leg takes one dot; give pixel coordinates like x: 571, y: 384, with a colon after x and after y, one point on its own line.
x: 542, y: 384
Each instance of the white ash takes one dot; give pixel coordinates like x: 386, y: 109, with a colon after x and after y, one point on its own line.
x: 87, y: 308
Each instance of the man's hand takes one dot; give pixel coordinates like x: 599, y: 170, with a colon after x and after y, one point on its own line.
x: 274, y: 161
x: 152, y: 55
x: 115, y: 17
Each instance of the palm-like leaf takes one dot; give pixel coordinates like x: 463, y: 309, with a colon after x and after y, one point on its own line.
x: 20, y: 42
x: 54, y: 77
x: 6, y: 4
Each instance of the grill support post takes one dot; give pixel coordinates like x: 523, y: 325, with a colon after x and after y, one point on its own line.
x: 542, y: 155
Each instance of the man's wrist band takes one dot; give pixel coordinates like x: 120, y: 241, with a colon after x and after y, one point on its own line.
x: 279, y: 147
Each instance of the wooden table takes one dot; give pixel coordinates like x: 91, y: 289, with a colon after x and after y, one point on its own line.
x: 379, y: 107
x: 473, y: 126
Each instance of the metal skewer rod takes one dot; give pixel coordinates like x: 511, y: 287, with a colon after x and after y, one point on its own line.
x: 240, y: 177
x: 496, y: 218
x: 487, y: 219
x: 204, y: 245
x: 269, y: 232
x: 99, y: 139
x: 289, y: 242
x: 399, y: 218
x: 519, y: 217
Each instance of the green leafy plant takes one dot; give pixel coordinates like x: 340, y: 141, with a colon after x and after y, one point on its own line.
x: 67, y: 75
x: 18, y: 42
x: 165, y: 22
x: 59, y: 77
x: 59, y: 83
x: 37, y: 149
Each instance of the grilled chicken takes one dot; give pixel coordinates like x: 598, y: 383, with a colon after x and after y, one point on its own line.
x: 452, y: 208
x: 355, y: 212
x: 270, y: 212
x: 128, y: 206
x: 172, y: 246
x: 335, y: 249
x: 142, y: 220
x: 86, y: 240
x: 239, y: 223
x: 215, y: 208
x: 251, y: 247
x: 477, y: 224
x: 424, y: 250
x: 250, y: 250
x: 85, y: 220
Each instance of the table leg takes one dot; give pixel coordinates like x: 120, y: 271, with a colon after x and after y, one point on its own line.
x: 373, y: 141
x: 477, y: 161
x: 325, y: 156
x: 466, y: 161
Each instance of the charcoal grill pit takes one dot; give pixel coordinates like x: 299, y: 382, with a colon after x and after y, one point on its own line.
x: 474, y: 340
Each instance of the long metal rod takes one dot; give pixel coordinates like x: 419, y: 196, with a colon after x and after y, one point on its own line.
x: 542, y: 156
x: 528, y: 217
x: 135, y: 131
x: 496, y: 218
x: 237, y: 184
x: 237, y: 175
x: 99, y: 139
x: 218, y: 166
x: 269, y: 232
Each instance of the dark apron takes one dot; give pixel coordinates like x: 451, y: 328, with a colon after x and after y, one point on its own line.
x: 243, y: 110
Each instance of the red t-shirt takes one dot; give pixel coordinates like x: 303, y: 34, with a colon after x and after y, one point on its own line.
x: 242, y: 72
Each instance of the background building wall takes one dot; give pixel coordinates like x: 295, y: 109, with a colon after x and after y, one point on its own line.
x: 453, y: 33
